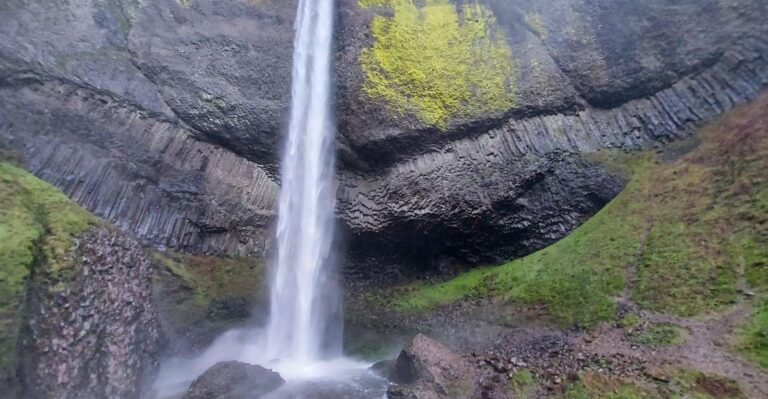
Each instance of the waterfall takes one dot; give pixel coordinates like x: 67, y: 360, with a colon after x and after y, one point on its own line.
x: 302, y: 339
x: 304, y: 296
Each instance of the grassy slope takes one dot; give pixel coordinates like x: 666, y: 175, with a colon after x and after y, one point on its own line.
x: 676, y: 240
x: 680, y: 384
x: 752, y: 338
x: 37, y: 224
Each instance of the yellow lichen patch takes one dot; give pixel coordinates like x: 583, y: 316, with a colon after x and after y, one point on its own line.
x: 438, y: 61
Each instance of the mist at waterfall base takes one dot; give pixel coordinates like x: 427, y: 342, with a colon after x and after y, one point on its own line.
x: 302, y: 339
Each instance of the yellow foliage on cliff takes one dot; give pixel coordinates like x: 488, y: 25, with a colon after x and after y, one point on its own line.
x: 438, y: 61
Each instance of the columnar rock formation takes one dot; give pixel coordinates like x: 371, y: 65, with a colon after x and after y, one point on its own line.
x: 165, y: 117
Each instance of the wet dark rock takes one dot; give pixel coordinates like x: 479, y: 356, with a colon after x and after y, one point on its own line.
x: 109, y: 107
x: 229, y: 308
x: 617, y: 77
x: 234, y: 380
x: 244, y: 51
x: 384, y: 368
x: 165, y: 119
x: 92, y: 331
x: 200, y: 297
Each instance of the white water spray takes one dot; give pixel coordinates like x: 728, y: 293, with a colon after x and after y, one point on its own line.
x: 303, y: 292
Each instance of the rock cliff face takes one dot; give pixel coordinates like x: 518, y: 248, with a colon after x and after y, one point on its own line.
x: 586, y: 76
x: 91, y: 102
x: 465, y: 128
x: 77, y: 319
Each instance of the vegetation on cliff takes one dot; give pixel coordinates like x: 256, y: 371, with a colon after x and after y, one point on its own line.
x: 38, y: 224
x: 687, y: 234
x: 199, y: 296
x: 438, y: 61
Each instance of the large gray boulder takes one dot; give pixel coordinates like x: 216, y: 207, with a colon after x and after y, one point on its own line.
x: 427, y: 369
x: 234, y: 380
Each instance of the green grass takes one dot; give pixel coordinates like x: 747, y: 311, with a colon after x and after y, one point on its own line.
x: 684, y: 231
x: 752, y: 337
x: 630, y: 320
x: 659, y: 334
x: 677, y: 384
x: 597, y: 386
x: 38, y: 224
x: 697, y: 385
x: 521, y: 383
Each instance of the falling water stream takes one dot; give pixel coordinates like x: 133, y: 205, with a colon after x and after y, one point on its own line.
x: 302, y: 339
x: 303, y: 296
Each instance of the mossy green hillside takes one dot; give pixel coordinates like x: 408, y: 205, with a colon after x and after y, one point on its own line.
x: 598, y: 386
x: 38, y: 224
x: 678, y: 384
x: 677, y: 239
x: 752, y: 337
x: 438, y: 61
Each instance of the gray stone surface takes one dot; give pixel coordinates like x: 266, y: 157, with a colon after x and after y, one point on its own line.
x: 147, y: 175
x: 427, y: 369
x: 608, y: 75
x: 165, y: 118
x: 234, y: 380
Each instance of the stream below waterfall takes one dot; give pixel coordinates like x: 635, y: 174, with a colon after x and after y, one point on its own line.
x: 339, y: 378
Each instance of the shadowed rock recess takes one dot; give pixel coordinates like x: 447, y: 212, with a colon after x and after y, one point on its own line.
x: 165, y: 117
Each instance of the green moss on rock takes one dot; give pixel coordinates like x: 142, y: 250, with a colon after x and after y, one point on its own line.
x: 199, y: 296
x: 38, y: 224
x: 438, y: 61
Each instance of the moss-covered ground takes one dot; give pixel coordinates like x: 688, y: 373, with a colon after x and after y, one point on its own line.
x: 659, y: 334
x: 438, y: 61
x: 38, y: 224
x: 521, y: 383
x: 752, y: 337
x: 678, y: 384
x: 678, y: 239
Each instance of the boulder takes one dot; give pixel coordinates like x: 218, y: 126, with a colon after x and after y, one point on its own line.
x: 428, y: 369
x: 234, y: 380
x: 384, y: 368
